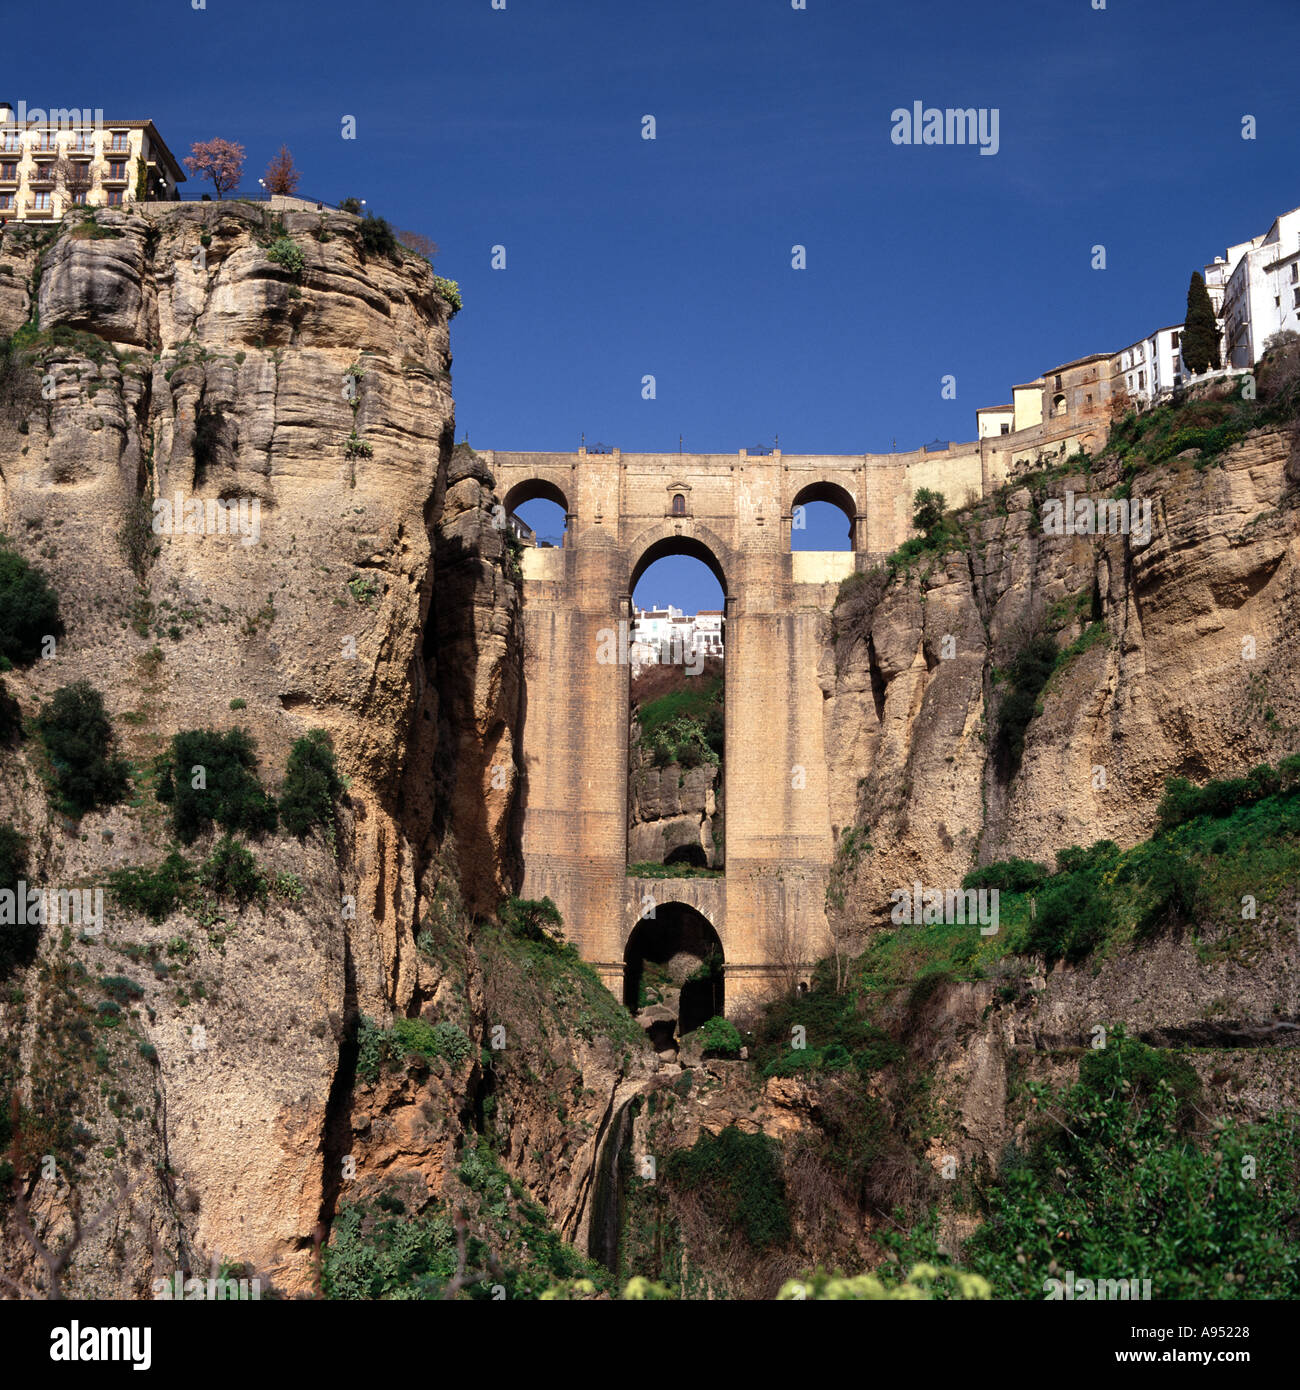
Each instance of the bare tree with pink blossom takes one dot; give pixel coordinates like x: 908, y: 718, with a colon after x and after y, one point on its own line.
x: 222, y: 161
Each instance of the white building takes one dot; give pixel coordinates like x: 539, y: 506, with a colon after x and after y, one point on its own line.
x: 1153, y: 366
x: 995, y: 420
x: 667, y: 635
x: 1261, y: 296
x: 708, y: 631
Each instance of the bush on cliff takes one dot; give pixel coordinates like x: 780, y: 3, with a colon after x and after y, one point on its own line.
x: 11, y: 717
x: 311, y: 785
x: 29, y: 610
x: 1026, y: 676
x: 208, y: 777
x: 533, y: 919
x: 156, y: 892
x: 1008, y: 876
x: 1114, y: 1184
x: 78, y: 739
x: 737, y: 1178
x: 17, y: 943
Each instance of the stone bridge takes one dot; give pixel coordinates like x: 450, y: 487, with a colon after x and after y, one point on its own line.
x: 736, y: 513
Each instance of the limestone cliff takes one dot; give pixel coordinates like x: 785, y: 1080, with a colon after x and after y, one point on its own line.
x: 1187, y: 670
x: 177, y: 361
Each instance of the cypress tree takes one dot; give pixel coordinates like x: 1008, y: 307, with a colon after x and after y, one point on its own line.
x: 1200, y: 330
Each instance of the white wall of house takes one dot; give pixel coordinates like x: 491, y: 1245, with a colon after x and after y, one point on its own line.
x: 1152, y: 366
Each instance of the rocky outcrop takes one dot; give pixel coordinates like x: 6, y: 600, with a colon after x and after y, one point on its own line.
x: 364, y: 595
x: 672, y: 813
x: 1191, y: 675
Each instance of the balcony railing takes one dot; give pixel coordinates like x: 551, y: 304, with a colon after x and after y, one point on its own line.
x: 12, y: 144
x: 41, y: 177
x: 118, y: 145
x: 8, y: 179
x: 33, y: 210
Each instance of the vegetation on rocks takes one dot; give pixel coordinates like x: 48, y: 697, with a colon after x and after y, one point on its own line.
x: 208, y: 777
x: 29, y: 610
x: 79, y: 743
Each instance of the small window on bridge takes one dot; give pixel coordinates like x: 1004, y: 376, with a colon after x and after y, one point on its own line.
x: 679, y: 504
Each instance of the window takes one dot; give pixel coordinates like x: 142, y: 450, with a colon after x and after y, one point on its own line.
x: 1175, y: 340
x: 679, y: 504
x: 1056, y: 385
x: 13, y: 143
x: 117, y: 168
x: 40, y: 201
x: 114, y: 197
x: 119, y: 141
x: 1006, y: 429
x: 8, y: 171
x: 6, y: 202
x: 1297, y: 298
x: 1058, y: 404
x: 1295, y: 271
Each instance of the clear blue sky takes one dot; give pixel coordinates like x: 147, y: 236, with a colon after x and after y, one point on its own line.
x: 672, y: 257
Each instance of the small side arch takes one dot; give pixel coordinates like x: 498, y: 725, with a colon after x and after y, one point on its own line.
x: 530, y: 490
x: 833, y: 493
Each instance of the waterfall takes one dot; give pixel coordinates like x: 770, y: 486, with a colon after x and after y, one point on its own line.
x: 607, y: 1195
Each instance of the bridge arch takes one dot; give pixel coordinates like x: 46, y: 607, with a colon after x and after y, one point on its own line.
x: 533, y: 489
x: 672, y: 538
x: 837, y: 496
x: 678, y: 955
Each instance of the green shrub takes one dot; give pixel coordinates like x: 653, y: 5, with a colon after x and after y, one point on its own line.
x: 121, y: 988
x: 532, y: 920
x: 311, y: 784
x: 155, y: 892
x: 377, y: 238
x: 1112, y: 1183
x: 78, y: 740
x: 17, y: 943
x: 370, y: 1049
x: 1008, y: 876
x: 720, y: 1036
x: 1028, y: 674
x: 11, y: 717
x: 450, y: 291
x: 229, y: 791
x: 737, y: 1177
x: 382, y: 1257
x: 927, y: 509
x: 286, y: 252
x: 408, y: 1037
x: 230, y: 871
x: 29, y: 610
x: 1183, y: 801
x: 415, y: 1036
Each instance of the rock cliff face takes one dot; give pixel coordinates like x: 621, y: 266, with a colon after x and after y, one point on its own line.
x: 365, y: 595
x: 1191, y: 675
x: 672, y: 813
